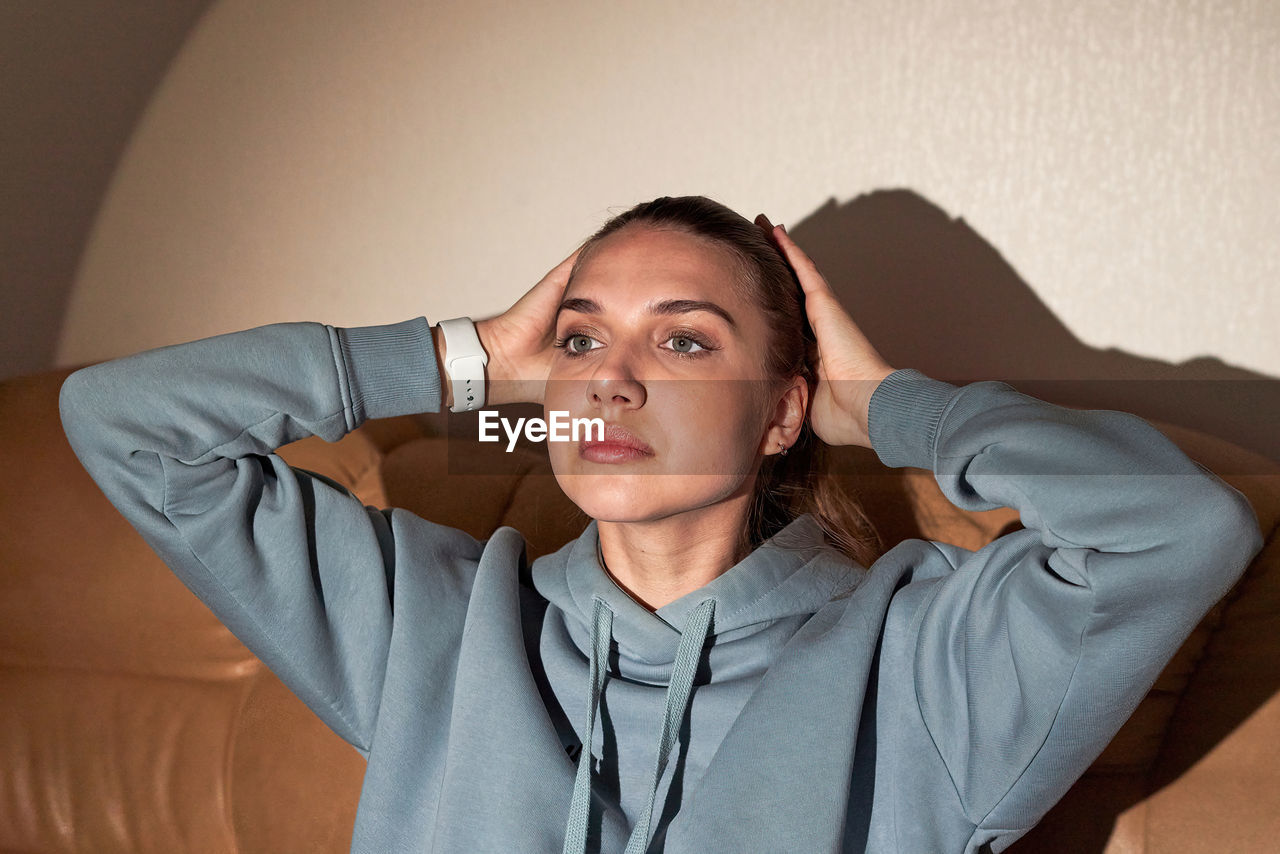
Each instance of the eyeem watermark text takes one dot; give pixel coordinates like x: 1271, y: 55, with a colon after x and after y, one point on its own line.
x: 537, y: 430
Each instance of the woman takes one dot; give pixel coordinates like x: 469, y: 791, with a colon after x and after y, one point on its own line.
x: 721, y: 661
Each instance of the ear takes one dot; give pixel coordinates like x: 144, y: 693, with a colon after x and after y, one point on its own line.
x: 788, y: 417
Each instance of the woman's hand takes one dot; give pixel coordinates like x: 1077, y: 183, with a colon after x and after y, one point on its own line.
x: 849, y: 368
x: 519, y: 340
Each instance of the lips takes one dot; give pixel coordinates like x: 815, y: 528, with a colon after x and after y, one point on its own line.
x: 619, y: 445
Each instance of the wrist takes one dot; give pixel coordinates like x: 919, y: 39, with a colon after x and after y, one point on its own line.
x: 495, y: 371
x: 867, y: 389
x: 446, y: 383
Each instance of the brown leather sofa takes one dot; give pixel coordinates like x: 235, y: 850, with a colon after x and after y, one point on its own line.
x: 132, y: 721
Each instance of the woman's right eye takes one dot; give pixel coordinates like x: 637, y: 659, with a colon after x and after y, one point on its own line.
x: 576, y: 344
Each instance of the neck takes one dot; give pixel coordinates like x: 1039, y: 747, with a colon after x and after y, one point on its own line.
x: 657, y: 562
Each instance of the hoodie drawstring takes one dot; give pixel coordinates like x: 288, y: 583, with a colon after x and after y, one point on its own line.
x: 683, y: 670
x: 575, y: 834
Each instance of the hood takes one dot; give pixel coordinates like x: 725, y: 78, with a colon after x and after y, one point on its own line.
x: 790, y: 575
x: 793, y: 573
x: 745, y: 615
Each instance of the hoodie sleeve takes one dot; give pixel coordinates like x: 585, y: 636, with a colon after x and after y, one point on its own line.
x: 182, y: 441
x: 1034, y: 651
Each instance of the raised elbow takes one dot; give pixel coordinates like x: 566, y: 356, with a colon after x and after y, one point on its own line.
x: 92, y: 410
x: 76, y: 405
x: 1223, y: 537
x: 1242, y: 525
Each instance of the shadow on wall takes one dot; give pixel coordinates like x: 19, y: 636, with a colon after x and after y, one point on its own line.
x: 931, y: 294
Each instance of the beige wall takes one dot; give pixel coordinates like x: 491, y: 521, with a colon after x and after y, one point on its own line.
x: 307, y: 161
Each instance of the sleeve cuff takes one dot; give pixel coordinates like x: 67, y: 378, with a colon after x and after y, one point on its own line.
x: 391, y: 369
x: 903, y: 417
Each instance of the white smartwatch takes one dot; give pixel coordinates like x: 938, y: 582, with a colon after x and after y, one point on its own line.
x: 465, y: 359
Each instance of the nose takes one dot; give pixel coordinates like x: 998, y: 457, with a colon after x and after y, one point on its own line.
x: 614, y: 385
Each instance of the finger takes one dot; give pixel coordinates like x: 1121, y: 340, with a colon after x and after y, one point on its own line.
x: 767, y: 227
x: 827, y: 315
x: 811, y: 279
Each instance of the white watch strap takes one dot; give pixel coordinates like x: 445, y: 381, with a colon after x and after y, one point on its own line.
x: 465, y: 359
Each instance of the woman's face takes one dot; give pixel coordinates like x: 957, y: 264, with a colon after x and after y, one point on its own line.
x: 658, y: 345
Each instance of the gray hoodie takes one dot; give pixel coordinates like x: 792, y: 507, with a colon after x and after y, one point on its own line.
x: 939, y: 700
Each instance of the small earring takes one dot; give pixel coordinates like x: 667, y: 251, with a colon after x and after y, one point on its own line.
x: 783, y: 452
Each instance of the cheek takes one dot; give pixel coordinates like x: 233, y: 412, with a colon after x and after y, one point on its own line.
x: 721, y: 436
x: 553, y: 394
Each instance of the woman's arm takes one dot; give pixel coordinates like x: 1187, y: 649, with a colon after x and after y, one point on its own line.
x: 182, y: 441
x: 1034, y: 652
x: 1036, y: 649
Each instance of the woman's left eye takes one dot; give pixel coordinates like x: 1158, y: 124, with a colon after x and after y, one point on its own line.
x: 686, y: 345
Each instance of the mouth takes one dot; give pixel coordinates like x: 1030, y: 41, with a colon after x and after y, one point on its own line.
x: 619, y: 446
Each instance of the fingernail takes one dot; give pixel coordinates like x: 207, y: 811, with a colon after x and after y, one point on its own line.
x: 783, y: 227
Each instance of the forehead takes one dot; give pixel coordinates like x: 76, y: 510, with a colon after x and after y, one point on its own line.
x: 643, y: 258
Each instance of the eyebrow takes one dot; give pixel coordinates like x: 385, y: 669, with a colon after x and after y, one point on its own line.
x: 663, y: 307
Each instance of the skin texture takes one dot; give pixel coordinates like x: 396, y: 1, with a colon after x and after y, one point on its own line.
x: 690, y: 385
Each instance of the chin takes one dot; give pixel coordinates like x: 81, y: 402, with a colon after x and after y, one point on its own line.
x: 608, y: 497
